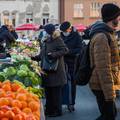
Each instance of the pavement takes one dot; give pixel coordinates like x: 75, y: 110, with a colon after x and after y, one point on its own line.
x: 86, y: 107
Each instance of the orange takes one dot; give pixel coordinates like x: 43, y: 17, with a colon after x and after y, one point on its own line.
x: 2, y: 93
x: 16, y: 110
x: 24, y: 104
x: 37, y: 118
x: 5, y: 108
x: 18, y: 117
x: 36, y: 98
x: 1, y: 114
x: 21, y: 97
x: 30, y: 117
x: 6, y: 82
x: 34, y: 106
x: 36, y: 113
x: 4, y: 101
x: 10, y: 114
x: 15, y: 87
x: 21, y: 90
x: 6, y: 87
x: 23, y: 116
x: 27, y: 110
x: 10, y: 94
x: 30, y: 99
x: 16, y: 103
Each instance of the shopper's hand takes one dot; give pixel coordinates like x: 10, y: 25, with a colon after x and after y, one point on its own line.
x: 33, y: 58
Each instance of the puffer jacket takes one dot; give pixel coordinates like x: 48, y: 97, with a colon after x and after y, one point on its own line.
x: 104, y: 58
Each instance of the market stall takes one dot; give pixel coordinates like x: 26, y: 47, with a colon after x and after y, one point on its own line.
x: 20, y: 85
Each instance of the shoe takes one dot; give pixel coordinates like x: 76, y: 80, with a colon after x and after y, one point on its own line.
x: 55, y: 115
x: 71, y: 108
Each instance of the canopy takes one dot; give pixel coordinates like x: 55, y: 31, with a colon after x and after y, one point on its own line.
x: 28, y: 26
x: 80, y: 27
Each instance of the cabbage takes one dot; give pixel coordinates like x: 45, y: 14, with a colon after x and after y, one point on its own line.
x: 22, y: 73
x: 10, y: 71
x: 24, y: 67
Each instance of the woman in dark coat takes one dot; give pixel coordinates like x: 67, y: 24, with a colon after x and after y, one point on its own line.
x: 73, y: 41
x: 54, y: 81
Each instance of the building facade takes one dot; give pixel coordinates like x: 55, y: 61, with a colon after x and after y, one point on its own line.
x: 82, y: 11
x: 17, y: 12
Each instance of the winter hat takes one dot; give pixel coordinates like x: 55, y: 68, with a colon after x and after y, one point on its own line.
x: 110, y: 12
x: 49, y: 28
x: 64, y: 26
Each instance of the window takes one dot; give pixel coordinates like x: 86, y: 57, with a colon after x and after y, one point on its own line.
x: 6, y: 18
x: 78, y: 10
x: 29, y: 17
x: 14, y: 19
x: 95, y: 9
x: 45, y: 18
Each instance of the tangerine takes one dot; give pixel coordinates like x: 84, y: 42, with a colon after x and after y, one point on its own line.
x: 6, y: 87
x: 16, y: 103
x: 15, y: 87
x: 27, y: 110
x: 21, y: 97
x: 10, y: 114
x: 4, y: 101
x: 34, y: 106
x: 18, y: 117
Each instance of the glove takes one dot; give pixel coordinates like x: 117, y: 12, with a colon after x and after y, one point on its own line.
x: 33, y: 58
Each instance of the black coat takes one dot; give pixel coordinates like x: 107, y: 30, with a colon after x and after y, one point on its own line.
x: 74, y: 44
x: 14, y: 34
x: 58, y: 49
x: 6, y: 36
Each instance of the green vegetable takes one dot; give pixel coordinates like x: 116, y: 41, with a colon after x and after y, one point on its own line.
x: 31, y: 74
x: 2, y: 76
x: 10, y: 71
x: 24, y: 67
x: 22, y: 73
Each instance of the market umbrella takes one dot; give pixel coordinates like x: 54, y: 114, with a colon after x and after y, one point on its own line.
x: 28, y: 26
x: 80, y: 27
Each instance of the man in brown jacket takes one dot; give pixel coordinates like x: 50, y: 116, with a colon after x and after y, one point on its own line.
x: 104, y: 58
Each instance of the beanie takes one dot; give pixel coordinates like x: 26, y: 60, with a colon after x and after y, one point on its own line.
x: 64, y: 26
x: 110, y: 12
x: 49, y: 28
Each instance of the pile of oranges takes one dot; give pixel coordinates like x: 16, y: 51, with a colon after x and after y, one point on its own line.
x: 16, y: 103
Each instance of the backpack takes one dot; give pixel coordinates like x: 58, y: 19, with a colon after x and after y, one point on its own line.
x: 83, y: 70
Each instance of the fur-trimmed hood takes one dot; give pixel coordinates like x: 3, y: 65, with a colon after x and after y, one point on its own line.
x: 56, y: 34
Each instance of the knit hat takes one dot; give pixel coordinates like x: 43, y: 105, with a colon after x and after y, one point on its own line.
x: 49, y: 28
x: 64, y: 26
x: 110, y: 12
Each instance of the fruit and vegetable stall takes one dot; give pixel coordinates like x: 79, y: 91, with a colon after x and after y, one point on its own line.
x: 20, y: 85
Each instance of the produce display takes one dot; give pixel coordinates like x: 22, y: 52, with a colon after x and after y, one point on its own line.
x: 22, y: 71
x: 16, y: 103
x: 22, y: 68
x: 20, y: 85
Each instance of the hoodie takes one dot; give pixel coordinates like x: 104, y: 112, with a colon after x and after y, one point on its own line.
x: 98, y: 27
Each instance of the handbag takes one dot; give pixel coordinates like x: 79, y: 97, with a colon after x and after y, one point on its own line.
x: 49, y: 64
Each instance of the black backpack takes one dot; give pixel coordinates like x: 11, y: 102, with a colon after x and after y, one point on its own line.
x: 83, y: 70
